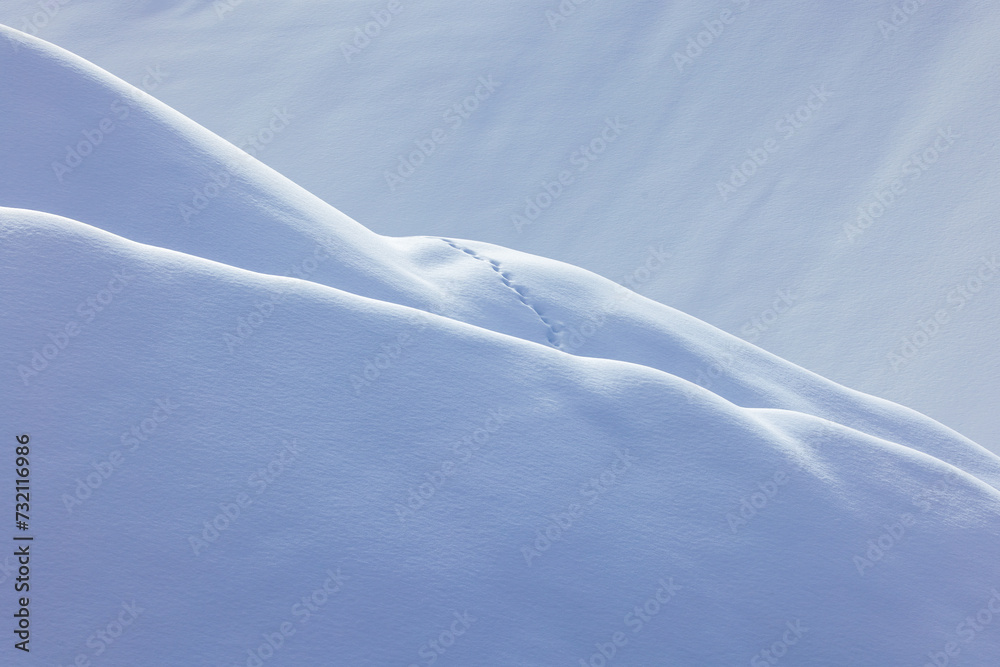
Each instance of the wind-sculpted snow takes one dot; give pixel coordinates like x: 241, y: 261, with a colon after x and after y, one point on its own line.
x: 261, y: 434
x: 177, y: 185
x: 485, y: 501
x: 139, y: 176
x: 822, y: 175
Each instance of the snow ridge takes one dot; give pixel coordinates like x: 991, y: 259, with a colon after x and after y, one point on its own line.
x: 551, y: 333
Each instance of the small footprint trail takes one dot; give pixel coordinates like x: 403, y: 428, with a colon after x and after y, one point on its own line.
x: 551, y: 329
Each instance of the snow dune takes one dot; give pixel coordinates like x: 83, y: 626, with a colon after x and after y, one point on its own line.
x: 263, y: 434
x: 542, y: 494
x: 155, y: 162
x: 841, y: 206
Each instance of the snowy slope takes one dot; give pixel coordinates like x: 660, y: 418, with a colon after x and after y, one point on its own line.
x: 263, y: 435
x: 844, y: 105
x: 560, y: 493
x: 140, y: 173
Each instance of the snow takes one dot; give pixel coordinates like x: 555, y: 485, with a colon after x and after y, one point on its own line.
x: 895, y: 79
x: 263, y: 434
x: 644, y: 471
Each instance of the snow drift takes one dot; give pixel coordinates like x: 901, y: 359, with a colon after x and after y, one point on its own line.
x: 426, y: 450
x: 789, y: 155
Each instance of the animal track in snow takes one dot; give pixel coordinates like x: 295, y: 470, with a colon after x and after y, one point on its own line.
x: 551, y: 333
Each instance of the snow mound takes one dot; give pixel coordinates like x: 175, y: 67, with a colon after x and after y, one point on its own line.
x: 838, y: 157
x: 262, y: 434
x: 483, y: 499
x: 144, y: 173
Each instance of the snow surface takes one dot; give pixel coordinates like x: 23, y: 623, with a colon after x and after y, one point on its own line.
x: 581, y: 450
x: 894, y: 81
